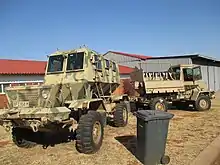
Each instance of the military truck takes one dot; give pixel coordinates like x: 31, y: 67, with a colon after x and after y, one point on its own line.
x: 77, y: 94
x: 181, y: 86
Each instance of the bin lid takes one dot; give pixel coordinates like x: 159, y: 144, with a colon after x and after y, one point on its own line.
x: 148, y: 115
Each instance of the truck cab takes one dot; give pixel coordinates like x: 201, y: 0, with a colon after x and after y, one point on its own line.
x: 190, y: 75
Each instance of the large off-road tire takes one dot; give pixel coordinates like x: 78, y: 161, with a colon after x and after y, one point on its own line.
x: 120, y: 115
x: 18, y: 135
x: 89, y: 133
x: 202, y: 103
x: 159, y: 103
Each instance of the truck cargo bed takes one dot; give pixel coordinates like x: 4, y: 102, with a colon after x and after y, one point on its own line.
x: 154, y: 86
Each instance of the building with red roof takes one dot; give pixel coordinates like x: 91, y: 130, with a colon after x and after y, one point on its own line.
x: 24, y: 67
x: 20, y: 72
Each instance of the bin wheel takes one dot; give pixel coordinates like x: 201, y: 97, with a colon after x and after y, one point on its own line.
x: 202, y: 103
x: 120, y: 115
x: 159, y: 103
x: 165, y: 160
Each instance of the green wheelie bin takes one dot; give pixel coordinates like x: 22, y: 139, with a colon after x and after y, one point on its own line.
x: 152, y: 130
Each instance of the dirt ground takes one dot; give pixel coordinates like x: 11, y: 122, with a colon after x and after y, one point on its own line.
x: 189, y: 133
x: 217, y: 162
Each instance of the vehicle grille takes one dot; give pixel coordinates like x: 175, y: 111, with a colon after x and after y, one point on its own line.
x: 30, y: 95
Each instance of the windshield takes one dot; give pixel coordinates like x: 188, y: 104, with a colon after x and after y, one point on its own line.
x: 55, y: 63
x: 75, y: 61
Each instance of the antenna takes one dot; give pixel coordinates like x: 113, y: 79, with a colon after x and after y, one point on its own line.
x: 84, y: 45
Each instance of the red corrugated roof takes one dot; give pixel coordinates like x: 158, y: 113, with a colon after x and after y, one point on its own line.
x: 8, y: 66
x: 125, y: 69
x: 142, y: 57
x: 35, y: 67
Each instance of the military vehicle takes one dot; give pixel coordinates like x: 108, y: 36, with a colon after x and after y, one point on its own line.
x: 181, y: 85
x: 76, y: 95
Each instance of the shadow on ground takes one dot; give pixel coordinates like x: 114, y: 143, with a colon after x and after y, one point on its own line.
x: 190, y: 109
x: 49, y: 138
x: 129, y: 142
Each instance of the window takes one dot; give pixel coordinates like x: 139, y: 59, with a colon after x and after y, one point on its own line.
x: 107, y: 64
x: 55, y: 63
x: 96, y: 58
x: 113, y: 66
x: 29, y: 83
x: 1, y: 88
x: 197, y: 74
x: 175, y: 72
x: 98, y: 62
x: 188, y: 74
x: 75, y: 61
x: 99, y: 65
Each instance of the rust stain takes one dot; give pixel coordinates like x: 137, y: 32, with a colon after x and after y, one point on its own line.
x: 4, y: 143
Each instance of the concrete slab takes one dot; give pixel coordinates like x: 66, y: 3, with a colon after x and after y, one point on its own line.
x: 209, y: 155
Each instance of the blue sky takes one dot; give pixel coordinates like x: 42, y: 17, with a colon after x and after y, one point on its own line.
x: 33, y: 29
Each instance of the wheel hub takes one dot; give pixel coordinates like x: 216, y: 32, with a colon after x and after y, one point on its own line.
x: 96, y: 132
x: 159, y: 106
x: 203, y: 103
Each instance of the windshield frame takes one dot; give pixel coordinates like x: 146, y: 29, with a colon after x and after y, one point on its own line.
x: 67, y: 62
x: 49, y: 63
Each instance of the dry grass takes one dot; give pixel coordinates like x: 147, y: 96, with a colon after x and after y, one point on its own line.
x: 189, y: 133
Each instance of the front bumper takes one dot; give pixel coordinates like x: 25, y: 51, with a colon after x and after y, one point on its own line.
x: 32, y: 117
x: 52, y: 114
x: 212, y: 95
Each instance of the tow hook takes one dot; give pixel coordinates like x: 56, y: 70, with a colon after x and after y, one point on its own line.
x: 35, y: 125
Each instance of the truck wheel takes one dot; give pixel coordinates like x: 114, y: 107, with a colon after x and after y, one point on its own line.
x: 203, y: 103
x: 159, y: 103
x: 19, y: 140
x: 120, y: 116
x: 89, y: 133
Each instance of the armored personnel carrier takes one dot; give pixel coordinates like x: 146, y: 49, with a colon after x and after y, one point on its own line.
x: 76, y: 95
x: 181, y: 85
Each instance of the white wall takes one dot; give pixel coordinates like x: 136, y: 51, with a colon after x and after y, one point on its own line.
x: 6, y: 80
x: 13, y: 78
x: 124, y: 76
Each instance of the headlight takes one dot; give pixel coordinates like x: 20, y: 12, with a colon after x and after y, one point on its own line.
x: 44, y: 94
